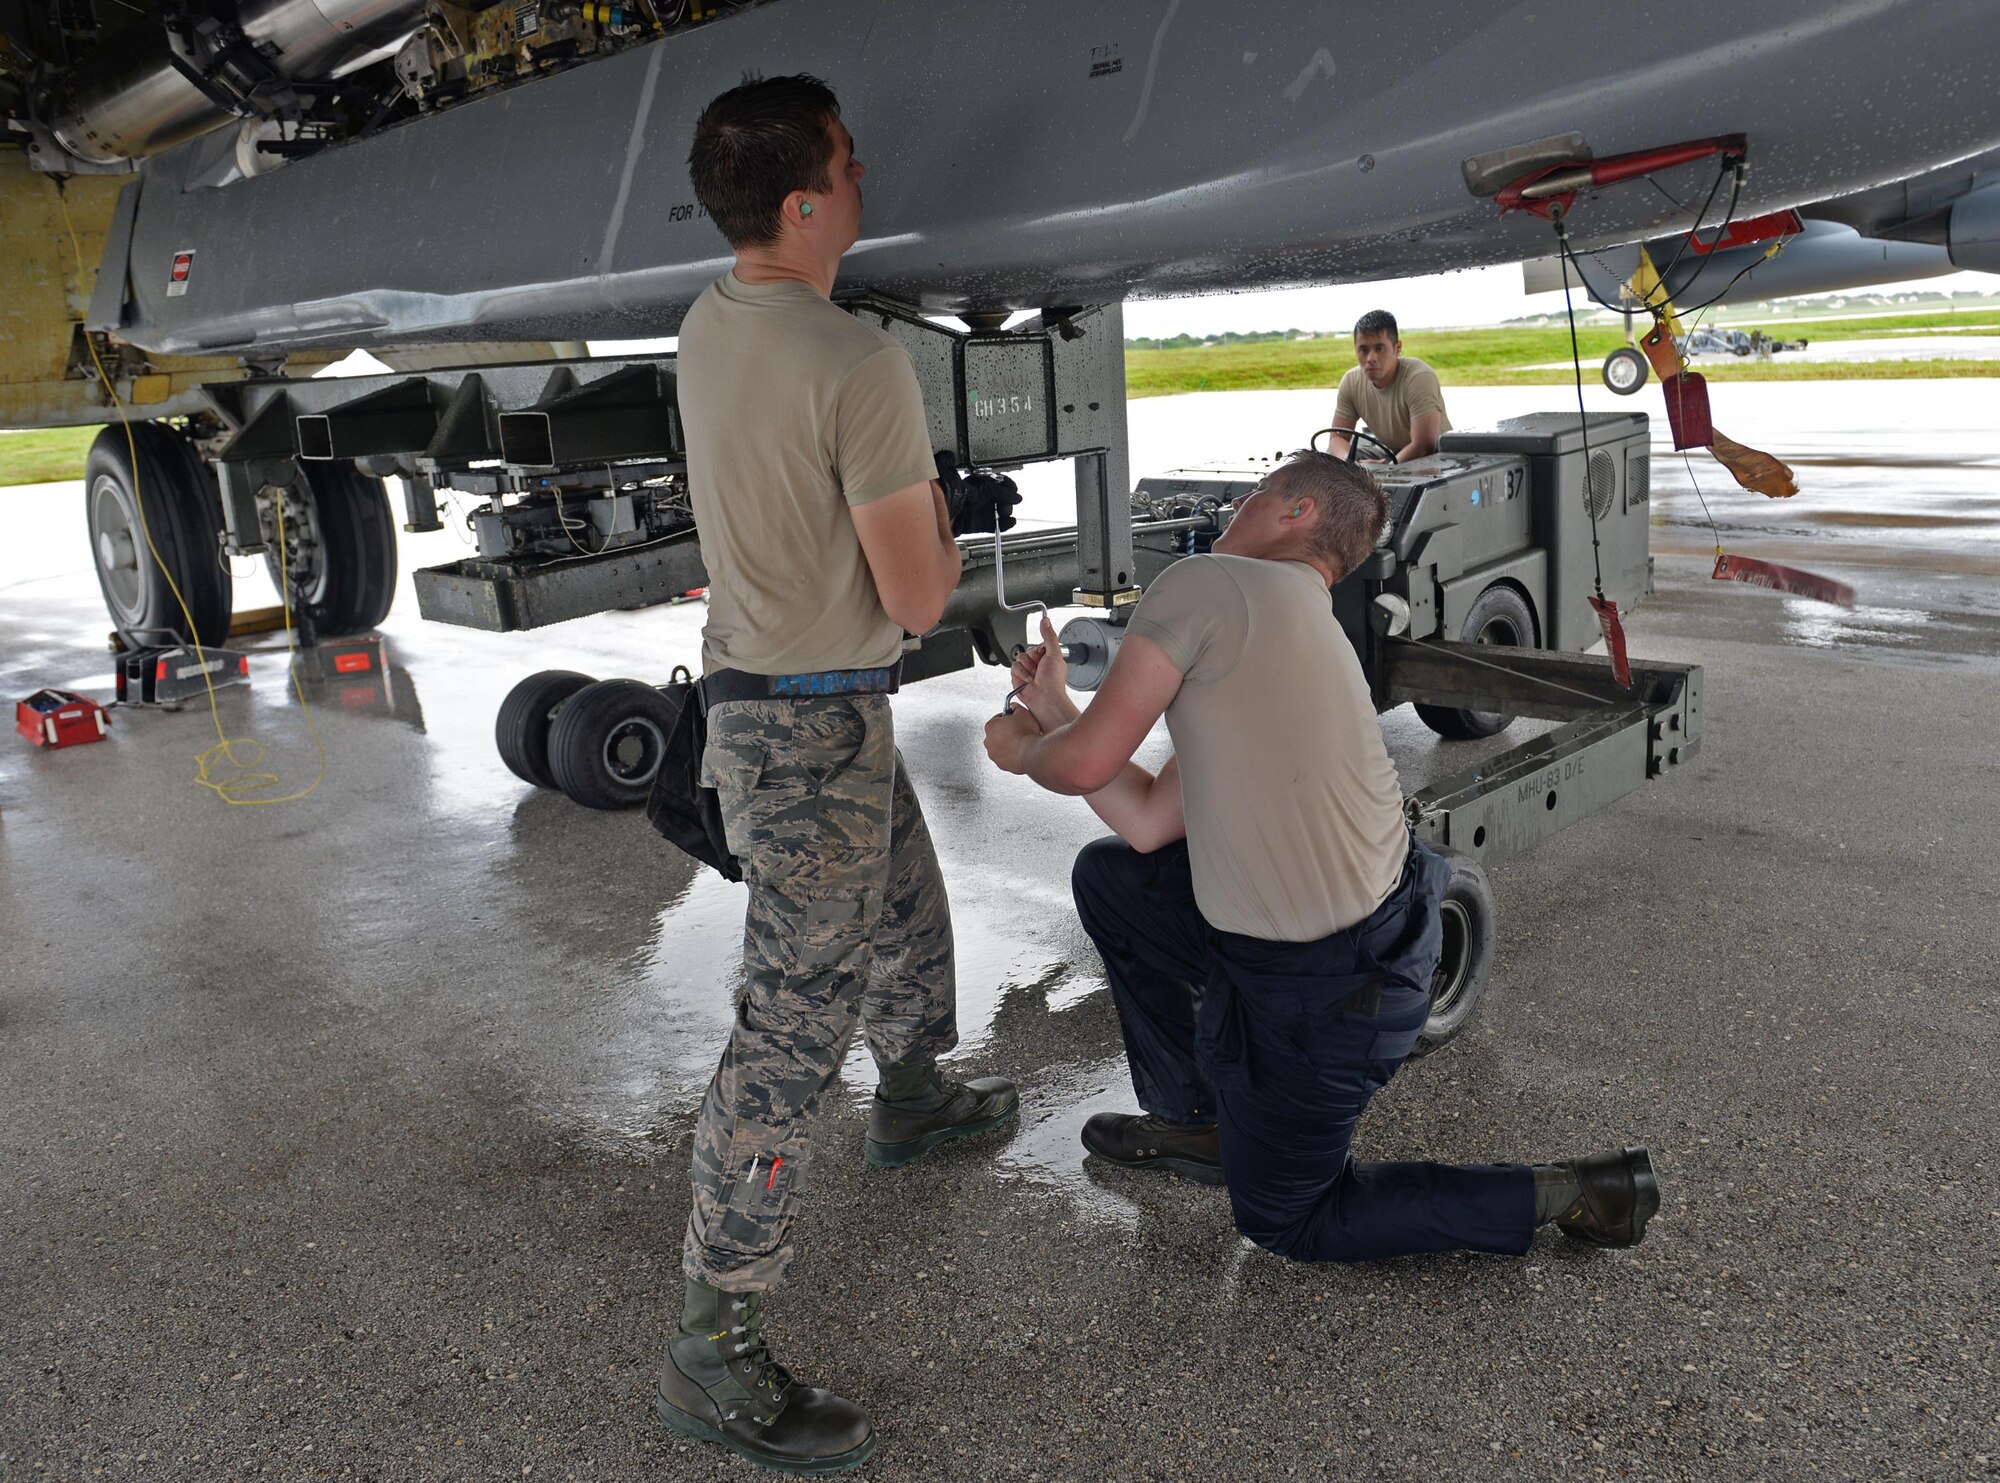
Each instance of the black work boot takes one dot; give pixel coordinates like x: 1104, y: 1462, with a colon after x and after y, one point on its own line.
x: 1615, y: 1195
x: 1139, y: 1140
x: 720, y: 1384
x: 917, y: 1108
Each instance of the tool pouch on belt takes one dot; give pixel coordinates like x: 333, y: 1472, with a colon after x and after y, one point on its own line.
x: 680, y: 807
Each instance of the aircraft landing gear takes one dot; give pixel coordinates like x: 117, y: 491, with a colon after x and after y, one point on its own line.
x: 340, y: 544
x: 1625, y: 370
x: 181, y: 512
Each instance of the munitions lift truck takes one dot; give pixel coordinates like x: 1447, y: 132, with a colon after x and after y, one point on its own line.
x: 1474, y: 606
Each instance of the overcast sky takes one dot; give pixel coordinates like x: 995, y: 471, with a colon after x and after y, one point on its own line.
x: 1474, y: 296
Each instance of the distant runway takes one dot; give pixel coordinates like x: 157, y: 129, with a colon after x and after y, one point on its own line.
x: 348, y: 1138
x: 1930, y: 345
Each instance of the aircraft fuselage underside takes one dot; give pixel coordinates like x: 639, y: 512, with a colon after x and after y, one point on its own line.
x: 1029, y: 155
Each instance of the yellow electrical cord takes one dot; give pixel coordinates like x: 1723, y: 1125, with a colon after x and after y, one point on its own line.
x: 236, y: 788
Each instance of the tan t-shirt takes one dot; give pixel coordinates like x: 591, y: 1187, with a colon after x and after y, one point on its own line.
x: 1294, y: 814
x: 793, y: 411
x: 1387, y: 412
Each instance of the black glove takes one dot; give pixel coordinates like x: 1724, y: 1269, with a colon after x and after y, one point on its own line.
x: 952, y: 483
x: 978, y: 503
x: 990, y: 499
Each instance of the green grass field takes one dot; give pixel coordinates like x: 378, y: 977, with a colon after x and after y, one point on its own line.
x: 1503, y: 357
x: 45, y: 455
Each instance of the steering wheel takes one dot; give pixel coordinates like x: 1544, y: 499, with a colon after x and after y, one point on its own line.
x: 1355, y: 438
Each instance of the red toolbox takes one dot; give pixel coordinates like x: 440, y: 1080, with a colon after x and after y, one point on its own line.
x: 61, y: 718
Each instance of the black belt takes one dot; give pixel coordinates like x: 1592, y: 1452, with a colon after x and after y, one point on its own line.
x: 718, y: 687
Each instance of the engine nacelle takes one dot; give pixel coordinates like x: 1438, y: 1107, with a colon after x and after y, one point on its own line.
x: 1973, y: 238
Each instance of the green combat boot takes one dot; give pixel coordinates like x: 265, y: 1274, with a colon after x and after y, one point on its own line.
x: 720, y: 1384
x: 917, y: 1108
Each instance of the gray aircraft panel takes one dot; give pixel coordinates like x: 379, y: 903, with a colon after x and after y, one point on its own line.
x: 1914, y: 228
x: 1028, y: 154
x: 1918, y: 207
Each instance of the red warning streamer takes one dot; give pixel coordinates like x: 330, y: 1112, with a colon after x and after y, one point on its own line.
x: 1778, y: 578
x: 1756, y: 471
x: 1614, y: 639
x: 1687, y: 410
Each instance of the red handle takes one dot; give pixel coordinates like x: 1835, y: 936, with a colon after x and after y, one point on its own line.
x: 1551, y: 190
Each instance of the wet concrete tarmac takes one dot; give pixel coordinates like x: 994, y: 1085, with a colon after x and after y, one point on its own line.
x: 348, y: 1137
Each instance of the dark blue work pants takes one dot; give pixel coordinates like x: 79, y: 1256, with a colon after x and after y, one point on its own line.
x: 1283, y: 1046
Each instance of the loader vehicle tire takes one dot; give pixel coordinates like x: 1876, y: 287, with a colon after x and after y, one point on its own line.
x: 1466, y: 963
x: 159, y: 486
x: 607, y: 743
x: 1499, y: 615
x: 340, y: 542
x: 521, y: 731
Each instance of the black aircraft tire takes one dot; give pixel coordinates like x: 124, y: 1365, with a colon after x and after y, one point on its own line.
x: 1625, y: 370
x: 1499, y: 615
x: 183, y: 514
x: 527, y: 715
x: 1466, y: 963
x: 607, y: 742
x: 350, y: 580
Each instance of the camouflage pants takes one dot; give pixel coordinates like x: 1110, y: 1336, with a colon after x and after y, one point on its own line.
x: 848, y: 921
